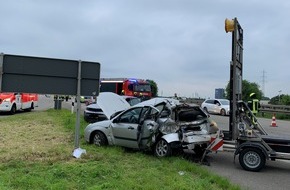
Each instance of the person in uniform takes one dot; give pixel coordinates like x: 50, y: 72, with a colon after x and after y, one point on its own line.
x: 254, y: 103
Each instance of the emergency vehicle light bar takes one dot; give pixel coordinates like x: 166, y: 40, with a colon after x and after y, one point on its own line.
x: 119, y: 81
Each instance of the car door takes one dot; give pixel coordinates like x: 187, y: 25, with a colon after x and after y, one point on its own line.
x: 148, y: 126
x: 210, y: 106
x: 125, y: 128
x: 18, y: 100
x: 216, y: 106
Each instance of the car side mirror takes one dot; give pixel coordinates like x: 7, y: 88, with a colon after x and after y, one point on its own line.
x: 115, y: 120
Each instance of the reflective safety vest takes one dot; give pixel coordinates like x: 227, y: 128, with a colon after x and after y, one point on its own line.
x: 254, y: 105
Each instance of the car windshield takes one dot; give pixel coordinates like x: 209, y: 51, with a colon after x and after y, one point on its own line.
x: 225, y: 102
x: 133, y: 101
x: 142, y: 88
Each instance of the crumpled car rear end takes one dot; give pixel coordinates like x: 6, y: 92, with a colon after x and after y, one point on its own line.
x: 190, y: 123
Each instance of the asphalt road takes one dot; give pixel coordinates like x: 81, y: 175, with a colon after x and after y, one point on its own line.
x: 274, y: 176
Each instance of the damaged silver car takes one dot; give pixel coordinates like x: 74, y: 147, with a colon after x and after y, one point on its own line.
x: 160, y: 125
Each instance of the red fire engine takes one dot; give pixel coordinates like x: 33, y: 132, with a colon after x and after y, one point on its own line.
x: 12, y: 102
x: 127, y: 86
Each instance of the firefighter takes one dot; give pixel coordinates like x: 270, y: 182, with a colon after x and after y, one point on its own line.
x: 254, y: 103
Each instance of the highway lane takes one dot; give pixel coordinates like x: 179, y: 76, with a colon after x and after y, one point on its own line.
x: 274, y: 176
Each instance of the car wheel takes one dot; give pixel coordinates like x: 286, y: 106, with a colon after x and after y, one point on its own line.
x: 162, y: 148
x: 100, y: 139
x: 13, y: 109
x: 252, y: 159
x: 30, y: 108
x: 205, y: 109
x: 223, y: 112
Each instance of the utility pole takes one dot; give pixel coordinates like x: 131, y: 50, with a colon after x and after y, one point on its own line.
x: 263, y: 82
x: 279, y: 96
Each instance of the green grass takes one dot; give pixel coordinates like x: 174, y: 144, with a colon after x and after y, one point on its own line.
x: 277, y: 116
x: 36, y: 153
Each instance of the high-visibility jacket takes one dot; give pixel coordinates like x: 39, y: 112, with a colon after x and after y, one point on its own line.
x: 254, y: 105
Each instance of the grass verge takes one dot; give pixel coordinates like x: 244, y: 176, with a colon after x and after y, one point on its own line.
x: 277, y: 115
x: 36, y: 153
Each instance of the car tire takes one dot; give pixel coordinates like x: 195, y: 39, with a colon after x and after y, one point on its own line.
x: 162, y: 148
x: 30, y: 108
x: 13, y: 109
x: 205, y: 109
x: 99, y: 139
x: 223, y: 112
x: 252, y: 159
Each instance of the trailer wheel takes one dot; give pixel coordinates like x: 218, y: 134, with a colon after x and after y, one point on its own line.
x: 252, y: 159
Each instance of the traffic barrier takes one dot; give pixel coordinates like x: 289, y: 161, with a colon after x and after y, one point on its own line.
x: 216, y: 142
x: 273, y: 122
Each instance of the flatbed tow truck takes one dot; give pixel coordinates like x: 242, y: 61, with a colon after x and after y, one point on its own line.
x: 252, y: 143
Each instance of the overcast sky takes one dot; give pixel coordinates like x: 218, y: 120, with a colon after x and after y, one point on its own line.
x: 180, y: 44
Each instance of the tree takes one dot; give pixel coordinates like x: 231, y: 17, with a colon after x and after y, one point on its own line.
x: 154, y: 88
x: 247, y: 89
x: 285, y: 100
x: 280, y: 99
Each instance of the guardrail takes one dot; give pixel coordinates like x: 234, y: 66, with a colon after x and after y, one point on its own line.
x: 265, y: 108
x: 268, y: 108
x: 194, y: 101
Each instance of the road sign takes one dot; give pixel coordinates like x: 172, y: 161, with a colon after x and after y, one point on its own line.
x: 48, y: 75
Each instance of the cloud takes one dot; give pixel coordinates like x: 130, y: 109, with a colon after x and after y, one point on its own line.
x: 181, y: 45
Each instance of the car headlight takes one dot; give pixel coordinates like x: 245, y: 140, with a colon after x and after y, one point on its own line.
x: 7, y: 100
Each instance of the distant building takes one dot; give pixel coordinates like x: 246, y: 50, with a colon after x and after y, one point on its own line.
x: 219, y: 93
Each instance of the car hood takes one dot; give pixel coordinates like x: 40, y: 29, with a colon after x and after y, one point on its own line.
x: 93, y: 106
x: 111, y: 103
x: 101, y: 125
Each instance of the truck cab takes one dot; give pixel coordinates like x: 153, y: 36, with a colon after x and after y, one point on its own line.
x: 127, y: 86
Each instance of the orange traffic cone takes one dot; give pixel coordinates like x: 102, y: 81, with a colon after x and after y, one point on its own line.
x: 273, y: 123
